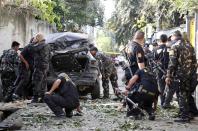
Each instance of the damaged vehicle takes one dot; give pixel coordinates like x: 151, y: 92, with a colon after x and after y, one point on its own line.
x: 69, y: 54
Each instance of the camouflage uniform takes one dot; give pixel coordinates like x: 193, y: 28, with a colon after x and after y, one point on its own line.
x: 9, y: 71
x: 183, y: 64
x: 108, y: 71
x: 41, y: 66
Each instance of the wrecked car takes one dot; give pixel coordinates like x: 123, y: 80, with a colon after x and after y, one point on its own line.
x: 69, y: 54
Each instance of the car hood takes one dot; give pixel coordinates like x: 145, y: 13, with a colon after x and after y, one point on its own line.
x: 65, y: 36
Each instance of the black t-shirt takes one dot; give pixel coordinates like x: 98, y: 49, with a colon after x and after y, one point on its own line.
x: 68, y: 90
x: 27, y: 53
x: 161, y: 55
x: 137, y: 56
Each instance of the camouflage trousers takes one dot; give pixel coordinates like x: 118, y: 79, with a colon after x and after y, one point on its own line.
x: 183, y: 98
x: 8, y: 79
x: 39, y: 82
x: 170, y: 91
x: 113, y: 77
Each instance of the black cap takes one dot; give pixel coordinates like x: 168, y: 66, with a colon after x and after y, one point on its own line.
x: 15, y: 43
x: 93, y: 48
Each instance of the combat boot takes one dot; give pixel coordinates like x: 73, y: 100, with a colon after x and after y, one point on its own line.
x: 35, y: 99
x: 151, y: 117
x: 106, y: 96
x: 183, y: 120
x: 15, y: 97
x: 69, y: 113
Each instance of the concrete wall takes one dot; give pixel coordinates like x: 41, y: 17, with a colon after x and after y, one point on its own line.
x: 20, y: 27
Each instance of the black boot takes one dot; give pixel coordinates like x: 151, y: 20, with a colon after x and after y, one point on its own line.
x: 183, y: 120
x: 15, y: 97
x: 35, y: 99
x: 69, y: 113
x: 152, y: 117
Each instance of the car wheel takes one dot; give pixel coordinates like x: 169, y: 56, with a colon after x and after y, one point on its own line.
x: 96, y: 90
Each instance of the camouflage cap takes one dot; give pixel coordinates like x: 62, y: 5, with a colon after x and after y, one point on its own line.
x: 177, y: 33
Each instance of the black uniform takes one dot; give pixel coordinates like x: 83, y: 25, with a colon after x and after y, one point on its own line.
x: 143, y: 93
x: 66, y: 96
x: 161, y: 56
x: 25, y: 74
x: 41, y: 66
x: 135, y: 55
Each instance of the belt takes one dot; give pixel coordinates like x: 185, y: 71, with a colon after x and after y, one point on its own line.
x: 141, y: 90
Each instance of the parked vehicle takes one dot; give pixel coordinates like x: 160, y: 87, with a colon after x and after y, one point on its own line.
x: 69, y: 54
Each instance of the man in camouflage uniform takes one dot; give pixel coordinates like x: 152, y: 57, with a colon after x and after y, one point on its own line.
x: 41, y: 65
x: 9, y: 70
x: 183, y: 64
x: 108, y: 71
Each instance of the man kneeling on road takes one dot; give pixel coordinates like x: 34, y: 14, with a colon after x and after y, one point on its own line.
x: 63, y: 94
x: 142, y: 90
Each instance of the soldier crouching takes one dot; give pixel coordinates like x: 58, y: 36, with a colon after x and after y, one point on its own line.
x: 63, y: 94
x: 143, y: 92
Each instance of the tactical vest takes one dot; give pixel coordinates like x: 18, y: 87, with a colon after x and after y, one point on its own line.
x: 147, y: 84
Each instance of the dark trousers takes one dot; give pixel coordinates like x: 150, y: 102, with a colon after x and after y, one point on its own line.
x: 21, y: 88
x: 56, y: 103
x: 144, y: 101
x: 161, y: 85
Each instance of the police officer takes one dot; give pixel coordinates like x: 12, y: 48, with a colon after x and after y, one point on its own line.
x: 143, y: 91
x: 161, y: 56
x: 63, y: 94
x: 183, y: 64
x: 108, y: 71
x: 9, y: 70
x: 41, y: 65
x: 26, y: 70
x: 135, y: 52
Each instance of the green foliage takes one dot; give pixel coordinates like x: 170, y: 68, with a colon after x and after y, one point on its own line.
x: 133, y: 15
x: 104, y: 42
x: 68, y: 15
x: 46, y: 10
x: 126, y: 20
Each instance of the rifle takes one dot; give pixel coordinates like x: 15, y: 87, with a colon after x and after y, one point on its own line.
x: 126, y: 98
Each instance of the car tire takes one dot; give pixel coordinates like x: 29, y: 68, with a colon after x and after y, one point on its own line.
x: 96, y: 90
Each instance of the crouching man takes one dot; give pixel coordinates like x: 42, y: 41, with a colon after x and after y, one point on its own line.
x: 63, y: 94
x: 143, y: 91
